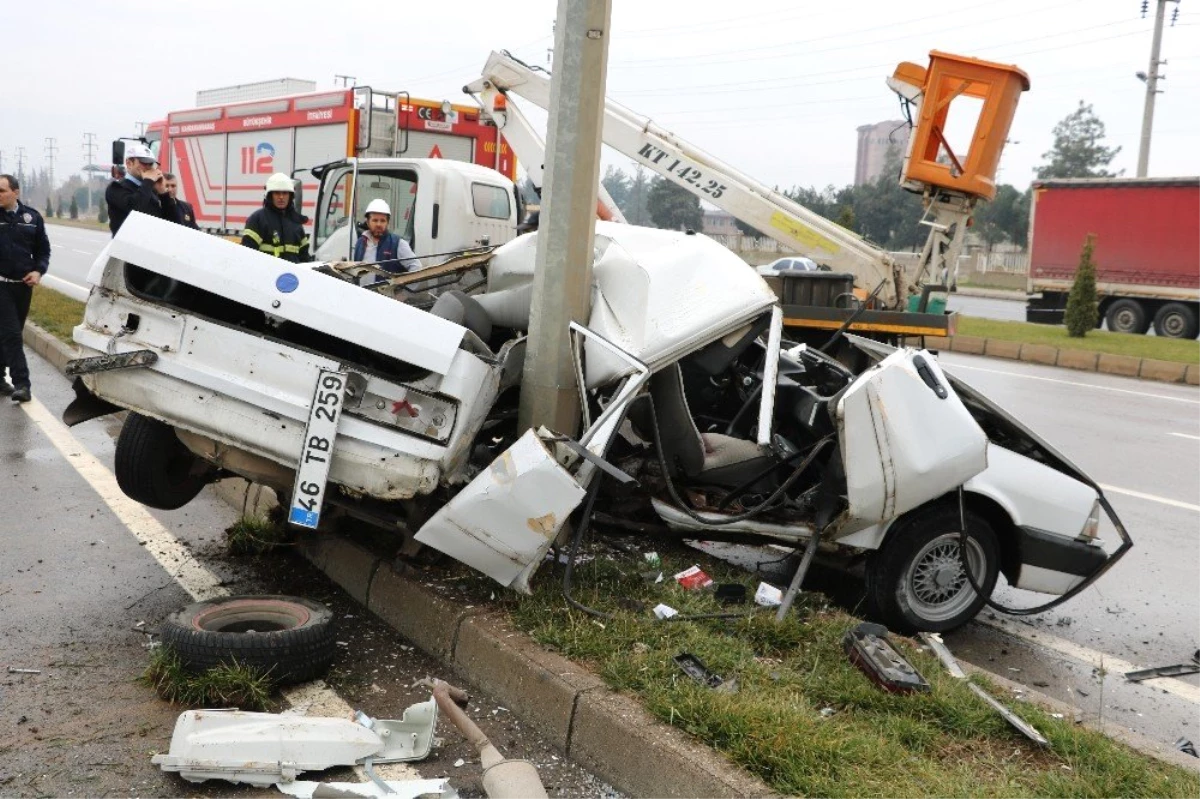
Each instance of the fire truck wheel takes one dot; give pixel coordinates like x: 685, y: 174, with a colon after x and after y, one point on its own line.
x: 154, y: 467
x: 1175, y: 320
x: 1127, y: 316
x: 916, y: 582
x: 288, y: 638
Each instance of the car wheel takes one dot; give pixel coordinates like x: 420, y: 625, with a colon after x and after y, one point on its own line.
x: 1127, y: 316
x: 154, y: 467
x: 1175, y: 320
x: 289, y: 638
x: 915, y: 581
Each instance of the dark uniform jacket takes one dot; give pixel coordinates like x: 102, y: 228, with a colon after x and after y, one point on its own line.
x: 187, y: 217
x: 124, y: 197
x: 278, y: 233
x: 24, y: 247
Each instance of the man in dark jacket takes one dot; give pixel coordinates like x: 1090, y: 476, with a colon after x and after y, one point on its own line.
x: 144, y: 189
x: 376, y: 245
x: 187, y: 216
x: 24, y: 258
x: 278, y: 228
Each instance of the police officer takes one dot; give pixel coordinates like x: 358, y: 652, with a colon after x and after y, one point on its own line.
x: 278, y: 228
x: 187, y: 216
x: 24, y: 258
x: 144, y: 189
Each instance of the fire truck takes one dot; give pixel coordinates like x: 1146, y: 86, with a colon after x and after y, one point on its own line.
x: 224, y: 153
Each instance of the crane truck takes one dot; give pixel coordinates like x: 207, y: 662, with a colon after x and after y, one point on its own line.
x: 952, y: 183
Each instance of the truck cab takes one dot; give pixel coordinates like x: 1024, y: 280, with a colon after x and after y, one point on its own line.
x: 441, y: 207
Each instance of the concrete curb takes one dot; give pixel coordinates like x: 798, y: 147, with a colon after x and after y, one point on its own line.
x: 609, y: 733
x: 1082, y: 360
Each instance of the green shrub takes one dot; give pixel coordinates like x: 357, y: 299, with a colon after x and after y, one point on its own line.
x: 1083, y: 311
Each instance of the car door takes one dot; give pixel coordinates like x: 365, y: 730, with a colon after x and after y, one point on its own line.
x: 906, y: 438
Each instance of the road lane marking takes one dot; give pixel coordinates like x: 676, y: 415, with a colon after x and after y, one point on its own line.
x: 177, y: 560
x: 953, y: 366
x: 72, y: 290
x: 1187, y: 435
x: 171, y: 554
x: 85, y: 252
x: 1112, y: 665
x: 1151, y: 497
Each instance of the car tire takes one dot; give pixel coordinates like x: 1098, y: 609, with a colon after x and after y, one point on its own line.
x: 290, y: 639
x: 154, y: 467
x: 1127, y: 316
x: 1176, y: 320
x: 915, y: 581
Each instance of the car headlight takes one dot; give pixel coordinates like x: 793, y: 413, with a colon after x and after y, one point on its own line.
x: 1091, y: 528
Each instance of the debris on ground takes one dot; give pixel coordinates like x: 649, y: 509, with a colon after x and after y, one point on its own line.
x: 869, y: 650
x: 693, y: 667
x: 1175, y: 670
x: 665, y: 611
x: 693, y: 578
x: 768, y: 595
x: 1186, y: 746
x: 395, y: 789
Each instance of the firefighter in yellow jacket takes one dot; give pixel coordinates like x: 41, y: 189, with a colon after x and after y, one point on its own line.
x: 278, y: 228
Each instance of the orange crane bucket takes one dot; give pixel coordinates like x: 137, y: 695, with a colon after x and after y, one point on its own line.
x: 945, y: 86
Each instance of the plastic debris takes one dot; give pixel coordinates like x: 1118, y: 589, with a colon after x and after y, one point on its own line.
x: 1186, y: 746
x: 768, y: 596
x: 665, y: 611
x: 693, y: 578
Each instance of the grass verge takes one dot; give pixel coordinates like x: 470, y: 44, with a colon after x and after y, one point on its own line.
x: 1154, y: 347
x: 253, y: 535
x: 803, y: 719
x: 227, y: 685
x: 89, y: 224
x: 55, y: 313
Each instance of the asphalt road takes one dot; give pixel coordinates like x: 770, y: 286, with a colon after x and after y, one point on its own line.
x: 987, y: 307
x: 85, y: 572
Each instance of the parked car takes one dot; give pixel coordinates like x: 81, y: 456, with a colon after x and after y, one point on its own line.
x: 793, y: 263
x: 401, y: 408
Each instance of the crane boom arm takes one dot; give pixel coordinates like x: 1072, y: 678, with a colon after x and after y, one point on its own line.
x: 713, y: 181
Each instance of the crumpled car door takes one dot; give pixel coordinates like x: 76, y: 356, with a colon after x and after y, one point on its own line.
x: 905, y: 438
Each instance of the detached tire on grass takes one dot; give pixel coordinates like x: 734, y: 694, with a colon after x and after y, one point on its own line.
x: 289, y: 638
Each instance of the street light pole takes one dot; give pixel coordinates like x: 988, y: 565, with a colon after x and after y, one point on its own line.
x: 562, y: 278
x: 1152, y: 77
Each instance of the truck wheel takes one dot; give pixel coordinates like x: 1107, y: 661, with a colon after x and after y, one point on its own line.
x: 289, y: 638
x: 1127, y: 316
x: 915, y: 581
x: 154, y: 467
x: 1175, y: 320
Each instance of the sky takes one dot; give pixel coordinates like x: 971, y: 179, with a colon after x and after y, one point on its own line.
x: 775, y: 89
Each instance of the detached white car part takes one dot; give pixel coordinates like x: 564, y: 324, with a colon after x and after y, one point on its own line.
x: 218, y: 350
x: 265, y: 748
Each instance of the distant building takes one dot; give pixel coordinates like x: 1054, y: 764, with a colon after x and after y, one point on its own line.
x: 719, y: 223
x: 873, y: 143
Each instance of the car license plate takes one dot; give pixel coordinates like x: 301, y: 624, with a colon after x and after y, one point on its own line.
x: 312, y: 473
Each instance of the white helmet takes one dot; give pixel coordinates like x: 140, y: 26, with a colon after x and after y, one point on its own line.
x: 378, y: 206
x: 280, y: 182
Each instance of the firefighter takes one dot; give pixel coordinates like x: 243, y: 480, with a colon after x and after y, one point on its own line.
x: 376, y: 245
x: 143, y: 188
x: 278, y: 228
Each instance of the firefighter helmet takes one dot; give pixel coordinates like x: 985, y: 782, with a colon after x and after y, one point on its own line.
x: 280, y: 182
x: 378, y: 206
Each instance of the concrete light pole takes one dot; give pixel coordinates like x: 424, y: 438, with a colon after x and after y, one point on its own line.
x: 1151, y: 78
x: 562, y: 280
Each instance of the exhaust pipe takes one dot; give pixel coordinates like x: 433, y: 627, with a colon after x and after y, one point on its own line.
x: 502, y: 778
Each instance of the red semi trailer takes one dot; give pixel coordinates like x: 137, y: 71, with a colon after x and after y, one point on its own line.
x: 1146, y: 250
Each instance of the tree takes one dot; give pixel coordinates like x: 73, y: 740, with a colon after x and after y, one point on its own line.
x: 639, y: 195
x: 49, y: 208
x: 618, y: 186
x: 1004, y: 218
x: 672, y: 207
x: 102, y: 217
x: 1077, y: 151
x: 74, y: 208
x: 58, y: 211
x: 1083, y: 312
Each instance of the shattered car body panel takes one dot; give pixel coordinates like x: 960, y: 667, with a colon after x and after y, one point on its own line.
x: 265, y: 748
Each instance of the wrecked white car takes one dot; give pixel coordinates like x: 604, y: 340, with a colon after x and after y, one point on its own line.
x: 399, y: 407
